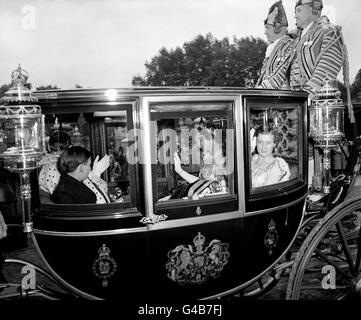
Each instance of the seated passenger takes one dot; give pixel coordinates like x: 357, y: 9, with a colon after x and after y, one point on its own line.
x: 123, y: 159
x: 74, y: 165
x: 115, y: 168
x: 267, y: 169
x: 211, y: 177
x: 49, y: 175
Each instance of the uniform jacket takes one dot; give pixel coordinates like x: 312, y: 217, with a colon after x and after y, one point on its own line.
x: 317, y: 54
x: 273, y: 73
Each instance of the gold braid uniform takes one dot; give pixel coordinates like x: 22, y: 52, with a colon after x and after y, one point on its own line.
x: 274, y: 68
x: 319, y: 53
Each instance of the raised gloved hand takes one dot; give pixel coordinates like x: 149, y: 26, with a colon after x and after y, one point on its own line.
x: 99, y: 166
x: 253, y: 139
x: 3, y: 227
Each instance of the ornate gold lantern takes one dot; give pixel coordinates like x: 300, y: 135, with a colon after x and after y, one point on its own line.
x: 327, y: 125
x: 21, y: 136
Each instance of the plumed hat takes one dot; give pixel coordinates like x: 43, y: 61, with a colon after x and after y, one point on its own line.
x: 315, y: 4
x: 277, y: 15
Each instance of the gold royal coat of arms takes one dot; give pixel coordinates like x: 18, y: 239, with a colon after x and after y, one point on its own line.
x: 196, y: 263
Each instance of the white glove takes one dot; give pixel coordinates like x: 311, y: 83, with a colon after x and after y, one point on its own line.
x: 99, y: 166
x: 3, y: 227
x: 253, y: 140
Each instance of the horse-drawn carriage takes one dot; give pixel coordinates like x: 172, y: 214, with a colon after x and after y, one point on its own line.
x: 203, y: 245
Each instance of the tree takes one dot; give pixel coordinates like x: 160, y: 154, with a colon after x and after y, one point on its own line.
x: 206, y: 61
x: 165, y: 69
x: 48, y: 87
x: 4, y: 88
x: 247, y: 58
x: 356, y: 85
x: 342, y: 89
x: 138, y: 81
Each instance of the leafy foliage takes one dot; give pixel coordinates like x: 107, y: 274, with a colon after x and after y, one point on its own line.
x: 206, y: 61
x: 48, y: 87
x: 4, y: 88
x: 342, y: 89
x: 356, y: 85
x: 355, y: 88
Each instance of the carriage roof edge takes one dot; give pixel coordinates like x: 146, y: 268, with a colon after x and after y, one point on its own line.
x: 143, y: 91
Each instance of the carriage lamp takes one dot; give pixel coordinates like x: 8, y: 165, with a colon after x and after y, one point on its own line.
x: 327, y: 125
x: 21, y: 136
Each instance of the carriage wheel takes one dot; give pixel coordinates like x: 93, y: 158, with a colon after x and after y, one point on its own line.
x: 48, y: 287
x: 265, y: 283
x: 327, y: 265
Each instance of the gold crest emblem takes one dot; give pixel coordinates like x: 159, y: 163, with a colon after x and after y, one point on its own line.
x: 104, y: 266
x: 271, y: 237
x: 195, y: 264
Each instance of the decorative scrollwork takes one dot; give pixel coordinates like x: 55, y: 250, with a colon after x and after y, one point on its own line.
x: 20, y: 109
x: 195, y: 264
x: 153, y: 219
x: 199, y: 211
x: 25, y: 191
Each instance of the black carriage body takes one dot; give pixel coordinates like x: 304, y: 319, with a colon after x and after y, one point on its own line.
x: 202, y: 247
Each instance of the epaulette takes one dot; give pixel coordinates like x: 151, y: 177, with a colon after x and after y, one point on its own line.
x: 329, y: 26
x: 335, y: 27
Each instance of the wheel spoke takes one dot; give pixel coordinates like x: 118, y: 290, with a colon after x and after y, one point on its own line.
x: 334, y: 242
x: 358, y: 259
x: 345, y: 248
x: 324, y: 258
x: 342, y: 259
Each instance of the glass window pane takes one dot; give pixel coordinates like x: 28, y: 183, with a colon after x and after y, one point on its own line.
x: 192, y: 159
x: 117, y: 146
x: 275, y: 154
x: 100, y: 134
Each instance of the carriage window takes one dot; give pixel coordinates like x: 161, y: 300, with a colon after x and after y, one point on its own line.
x: 194, y: 159
x: 116, y: 133
x: 101, y: 134
x: 274, y: 146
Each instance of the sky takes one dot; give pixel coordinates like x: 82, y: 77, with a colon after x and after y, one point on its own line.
x: 104, y: 43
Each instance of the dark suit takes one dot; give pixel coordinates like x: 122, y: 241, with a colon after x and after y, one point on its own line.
x: 71, y: 191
